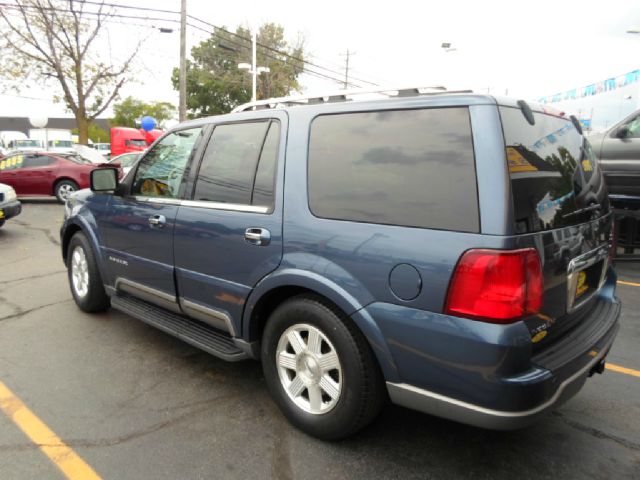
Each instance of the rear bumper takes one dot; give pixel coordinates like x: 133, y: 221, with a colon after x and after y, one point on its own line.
x: 484, y: 374
x: 447, y: 407
x: 10, y: 210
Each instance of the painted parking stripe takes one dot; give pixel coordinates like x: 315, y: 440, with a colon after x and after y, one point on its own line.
x: 51, y: 445
x: 625, y: 370
x: 629, y: 283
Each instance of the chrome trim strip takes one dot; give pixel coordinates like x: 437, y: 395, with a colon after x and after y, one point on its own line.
x: 225, y: 206
x: 149, y: 294
x: 235, y: 207
x: 212, y: 316
x: 447, y: 407
x: 160, y: 200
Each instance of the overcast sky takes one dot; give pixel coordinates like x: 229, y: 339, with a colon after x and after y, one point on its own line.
x: 530, y: 49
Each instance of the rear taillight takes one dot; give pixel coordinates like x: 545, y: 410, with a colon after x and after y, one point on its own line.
x: 496, y: 286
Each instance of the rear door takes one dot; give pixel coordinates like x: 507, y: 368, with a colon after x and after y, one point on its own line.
x: 38, y: 173
x: 229, y: 235
x: 560, y: 205
x: 138, y: 226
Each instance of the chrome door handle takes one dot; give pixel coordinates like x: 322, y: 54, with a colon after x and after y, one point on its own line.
x: 257, y: 236
x: 157, y: 221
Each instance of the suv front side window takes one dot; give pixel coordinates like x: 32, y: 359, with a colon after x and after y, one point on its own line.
x: 634, y: 128
x: 160, y: 171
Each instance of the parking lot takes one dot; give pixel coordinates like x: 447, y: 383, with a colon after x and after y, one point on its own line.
x: 131, y: 402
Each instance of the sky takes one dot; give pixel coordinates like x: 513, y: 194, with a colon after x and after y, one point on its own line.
x: 523, y: 49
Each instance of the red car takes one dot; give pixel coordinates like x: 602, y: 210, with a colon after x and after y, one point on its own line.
x: 40, y: 173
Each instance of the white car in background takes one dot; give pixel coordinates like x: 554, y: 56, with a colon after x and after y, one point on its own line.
x: 88, y: 153
x: 126, y: 161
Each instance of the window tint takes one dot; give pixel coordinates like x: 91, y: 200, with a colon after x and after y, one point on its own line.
x: 264, y: 185
x: 406, y: 167
x: 229, y: 165
x: 554, y: 173
x: 160, y: 171
x: 131, y: 143
x: 31, y: 161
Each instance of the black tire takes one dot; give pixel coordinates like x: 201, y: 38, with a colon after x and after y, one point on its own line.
x: 94, y: 299
x: 362, y: 392
x: 63, y: 188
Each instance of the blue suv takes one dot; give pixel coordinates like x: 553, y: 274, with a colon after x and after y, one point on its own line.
x: 446, y: 251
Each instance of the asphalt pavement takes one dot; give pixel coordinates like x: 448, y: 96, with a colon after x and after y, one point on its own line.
x: 135, y: 403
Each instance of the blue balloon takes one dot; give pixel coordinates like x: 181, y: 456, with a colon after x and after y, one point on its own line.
x: 148, y: 123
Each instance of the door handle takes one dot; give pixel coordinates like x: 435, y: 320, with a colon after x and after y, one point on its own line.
x: 157, y: 221
x: 257, y: 236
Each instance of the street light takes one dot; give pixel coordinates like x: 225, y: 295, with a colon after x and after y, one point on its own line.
x: 251, y: 67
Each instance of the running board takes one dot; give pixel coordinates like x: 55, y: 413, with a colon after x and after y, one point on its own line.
x: 193, y: 332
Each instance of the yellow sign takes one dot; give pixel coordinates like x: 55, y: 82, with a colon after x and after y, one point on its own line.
x: 586, y: 165
x: 517, y: 163
x: 582, y: 284
x: 539, y: 336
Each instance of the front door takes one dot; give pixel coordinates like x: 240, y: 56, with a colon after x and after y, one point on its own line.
x: 138, y: 228
x: 229, y: 234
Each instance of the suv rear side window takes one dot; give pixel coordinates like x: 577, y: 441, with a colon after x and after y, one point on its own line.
x: 413, y: 168
x: 239, y: 164
x: 554, y: 173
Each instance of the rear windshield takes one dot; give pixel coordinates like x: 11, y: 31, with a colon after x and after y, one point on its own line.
x: 554, y: 173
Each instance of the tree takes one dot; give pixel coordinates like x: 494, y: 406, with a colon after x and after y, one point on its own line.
x: 216, y: 85
x: 130, y: 111
x: 57, y: 39
x: 97, y: 134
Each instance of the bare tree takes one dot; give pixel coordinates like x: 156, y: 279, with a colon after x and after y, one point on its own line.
x: 57, y: 39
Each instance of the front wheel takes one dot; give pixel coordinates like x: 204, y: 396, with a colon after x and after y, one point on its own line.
x: 84, y: 277
x: 64, y: 188
x: 320, y: 369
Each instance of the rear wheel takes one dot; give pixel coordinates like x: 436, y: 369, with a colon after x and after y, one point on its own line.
x: 320, y: 369
x: 84, y: 277
x: 64, y: 188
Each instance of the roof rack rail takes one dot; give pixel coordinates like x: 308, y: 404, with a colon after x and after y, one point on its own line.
x: 343, y: 96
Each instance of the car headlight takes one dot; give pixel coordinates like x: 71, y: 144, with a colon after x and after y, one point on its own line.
x: 10, y: 195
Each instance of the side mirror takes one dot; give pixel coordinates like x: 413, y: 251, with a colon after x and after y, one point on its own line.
x: 622, y: 132
x: 104, y: 179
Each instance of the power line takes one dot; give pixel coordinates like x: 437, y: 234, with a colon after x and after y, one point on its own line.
x: 213, y: 33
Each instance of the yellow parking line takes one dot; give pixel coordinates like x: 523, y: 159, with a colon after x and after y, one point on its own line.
x: 51, y: 445
x: 625, y: 370
x: 629, y: 283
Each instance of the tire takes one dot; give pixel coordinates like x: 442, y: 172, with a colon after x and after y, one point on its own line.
x: 350, y: 395
x: 84, y: 277
x: 64, y: 188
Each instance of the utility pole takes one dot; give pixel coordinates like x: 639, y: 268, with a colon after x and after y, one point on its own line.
x: 346, y: 70
x: 182, y: 109
x: 254, y: 64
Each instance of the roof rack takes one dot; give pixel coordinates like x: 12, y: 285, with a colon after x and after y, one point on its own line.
x: 343, y: 96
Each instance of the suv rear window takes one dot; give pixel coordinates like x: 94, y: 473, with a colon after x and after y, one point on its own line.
x: 554, y: 173
x: 413, y: 168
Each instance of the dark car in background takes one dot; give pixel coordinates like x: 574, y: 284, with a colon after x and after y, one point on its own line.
x: 45, y: 174
x: 618, y: 150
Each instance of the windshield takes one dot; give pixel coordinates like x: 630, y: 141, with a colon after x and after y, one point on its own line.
x: 126, y: 160
x: 61, y: 143
x: 27, y: 143
x: 555, y: 178
x: 136, y: 143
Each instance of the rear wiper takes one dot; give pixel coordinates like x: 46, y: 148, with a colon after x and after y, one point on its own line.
x: 590, y: 208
